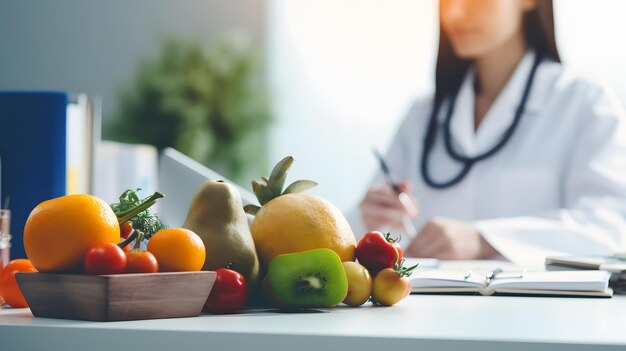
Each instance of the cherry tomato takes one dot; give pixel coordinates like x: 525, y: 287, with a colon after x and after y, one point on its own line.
x: 390, y: 287
x: 105, y: 259
x: 126, y: 229
x: 359, y: 284
x: 229, y: 293
x: 9, y: 289
x: 376, y: 251
x: 127, y: 249
x: 141, y: 262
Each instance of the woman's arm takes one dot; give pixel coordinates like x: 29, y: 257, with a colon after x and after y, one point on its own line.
x: 593, y: 220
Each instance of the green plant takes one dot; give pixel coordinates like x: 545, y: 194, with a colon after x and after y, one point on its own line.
x: 209, y: 104
x: 137, y: 211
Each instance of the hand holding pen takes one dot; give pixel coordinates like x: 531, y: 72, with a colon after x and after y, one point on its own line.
x: 389, y: 204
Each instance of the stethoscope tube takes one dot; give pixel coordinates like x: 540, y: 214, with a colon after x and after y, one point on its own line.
x: 468, y: 161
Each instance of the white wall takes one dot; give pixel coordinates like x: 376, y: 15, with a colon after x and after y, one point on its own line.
x: 592, y: 39
x: 343, y: 74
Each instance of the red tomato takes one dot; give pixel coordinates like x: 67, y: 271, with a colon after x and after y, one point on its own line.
x: 126, y: 229
x: 9, y: 289
x: 229, y: 293
x: 105, y: 259
x: 376, y: 251
x: 141, y: 262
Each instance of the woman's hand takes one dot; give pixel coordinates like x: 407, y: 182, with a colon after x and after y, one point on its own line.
x: 381, y: 207
x: 449, y: 239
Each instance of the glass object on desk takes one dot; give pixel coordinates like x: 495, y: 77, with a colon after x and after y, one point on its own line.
x: 5, y: 241
x: 5, y: 237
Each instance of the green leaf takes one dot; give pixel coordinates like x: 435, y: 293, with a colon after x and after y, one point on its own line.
x: 299, y: 186
x: 255, y: 185
x: 279, y: 175
x: 251, y: 209
x: 262, y: 192
x: 137, y: 212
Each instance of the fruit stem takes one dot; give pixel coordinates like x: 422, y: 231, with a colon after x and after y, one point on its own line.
x: 400, y: 269
x: 391, y: 239
x: 128, y: 240
x: 140, y: 236
x: 132, y: 212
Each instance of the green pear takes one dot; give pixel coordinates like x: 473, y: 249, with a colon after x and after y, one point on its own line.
x: 216, y: 214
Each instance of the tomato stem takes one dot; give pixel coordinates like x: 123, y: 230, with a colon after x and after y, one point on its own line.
x: 400, y: 269
x: 140, y: 236
x: 391, y: 239
x: 128, y: 240
x: 132, y: 212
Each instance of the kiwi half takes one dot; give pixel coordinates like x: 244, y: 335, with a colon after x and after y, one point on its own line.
x: 314, y: 278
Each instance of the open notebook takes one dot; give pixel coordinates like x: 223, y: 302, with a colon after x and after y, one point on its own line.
x: 566, y: 283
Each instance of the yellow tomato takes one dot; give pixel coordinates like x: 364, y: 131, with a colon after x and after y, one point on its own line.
x: 359, y: 284
x: 390, y: 287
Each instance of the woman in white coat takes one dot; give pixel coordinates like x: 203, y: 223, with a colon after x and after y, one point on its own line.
x: 514, y: 155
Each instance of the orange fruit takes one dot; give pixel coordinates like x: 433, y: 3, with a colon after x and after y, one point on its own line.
x: 300, y: 222
x: 60, y: 231
x: 9, y: 289
x: 177, y: 250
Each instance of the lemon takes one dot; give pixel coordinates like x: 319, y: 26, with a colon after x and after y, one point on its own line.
x: 294, y: 221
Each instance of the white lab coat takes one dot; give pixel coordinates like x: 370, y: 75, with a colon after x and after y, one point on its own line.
x: 557, y: 187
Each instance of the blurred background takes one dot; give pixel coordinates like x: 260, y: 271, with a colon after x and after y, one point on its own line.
x: 239, y: 84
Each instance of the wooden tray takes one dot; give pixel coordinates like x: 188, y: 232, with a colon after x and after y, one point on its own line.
x: 116, y: 297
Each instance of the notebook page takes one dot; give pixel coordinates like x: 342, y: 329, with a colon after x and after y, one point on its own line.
x: 446, y: 279
x: 555, y: 280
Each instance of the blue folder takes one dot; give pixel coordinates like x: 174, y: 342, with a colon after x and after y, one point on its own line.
x: 33, y: 154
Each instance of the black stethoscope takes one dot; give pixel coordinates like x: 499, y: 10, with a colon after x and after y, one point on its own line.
x: 468, y: 162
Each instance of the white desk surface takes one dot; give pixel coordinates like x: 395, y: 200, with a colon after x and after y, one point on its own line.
x: 420, y: 322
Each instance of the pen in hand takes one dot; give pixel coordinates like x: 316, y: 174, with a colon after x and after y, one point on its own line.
x: 404, y: 198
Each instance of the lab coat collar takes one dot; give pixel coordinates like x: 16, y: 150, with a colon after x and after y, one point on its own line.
x: 499, y: 116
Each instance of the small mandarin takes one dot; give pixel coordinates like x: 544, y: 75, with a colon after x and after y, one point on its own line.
x: 9, y: 289
x: 177, y: 250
